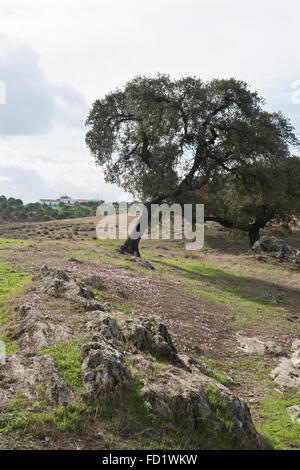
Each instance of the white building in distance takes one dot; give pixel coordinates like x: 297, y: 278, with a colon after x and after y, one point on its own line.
x: 68, y: 201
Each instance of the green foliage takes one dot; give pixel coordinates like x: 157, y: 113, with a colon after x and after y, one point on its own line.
x: 14, y: 210
x: 260, y: 193
x: 159, y: 135
x: 124, y: 308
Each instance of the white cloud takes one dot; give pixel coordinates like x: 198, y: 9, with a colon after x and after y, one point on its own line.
x: 4, y: 179
x: 78, y: 50
x: 33, y: 105
x: 99, y: 44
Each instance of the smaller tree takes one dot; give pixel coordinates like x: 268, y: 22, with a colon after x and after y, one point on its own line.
x: 260, y: 194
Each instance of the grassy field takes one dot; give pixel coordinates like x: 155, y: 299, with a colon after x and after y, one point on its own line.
x: 204, y: 297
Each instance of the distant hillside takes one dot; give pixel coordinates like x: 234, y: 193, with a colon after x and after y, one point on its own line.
x: 13, y: 210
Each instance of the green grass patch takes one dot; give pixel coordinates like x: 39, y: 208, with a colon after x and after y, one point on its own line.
x: 67, y: 360
x: 36, y: 416
x: 216, y: 403
x: 102, y: 295
x: 213, y: 371
x: 11, y: 281
x: 23, y: 415
x: 278, y: 429
x: 124, y: 308
x: 6, y: 242
x: 136, y: 405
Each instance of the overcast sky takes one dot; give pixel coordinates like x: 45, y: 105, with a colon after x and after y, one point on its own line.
x: 58, y: 56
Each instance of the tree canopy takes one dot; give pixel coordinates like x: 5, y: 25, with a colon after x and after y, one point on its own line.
x: 159, y: 138
x: 261, y: 194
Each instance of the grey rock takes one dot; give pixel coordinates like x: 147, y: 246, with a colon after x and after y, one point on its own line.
x: 163, y: 409
x: 57, y: 283
x: 76, y: 289
x: 54, y: 272
x: 105, y: 325
x: 104, y: 370
x: 109, y: 328
x: 179, y: 389
x: 95, y: 282
x: 295, y: 345
x: 294, y: 413
x: 285, y: 375
x: 256, y: 346
x: 186, y: 397
x: 295, y: 359
x: 142, y: 262
x: 274, y: 349
x: 35, y: 329
x: 52, y: 287
x: 250, y: 345
x: 19, y: 375
x: 150, y: 333
x: 29, y: 305
x: 278, y: 248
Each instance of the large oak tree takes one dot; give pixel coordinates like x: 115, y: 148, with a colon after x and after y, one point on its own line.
x: 160, y: 138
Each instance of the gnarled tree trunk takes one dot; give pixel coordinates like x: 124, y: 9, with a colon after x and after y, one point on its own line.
x: 253, y: 234
x: 131, y: 245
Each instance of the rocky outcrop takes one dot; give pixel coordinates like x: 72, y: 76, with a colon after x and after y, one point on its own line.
x: 256, y: 346
x: 250, y: 345
x: 19, y: 375
x: 294, y: 413
x: 278, y: 248
x: 35, y: 328
x: 275, y: 349
x: 194, y: 399
x: 173, y: 386
x: 104, y: 370
x: 121, y: 353
x: 296, y: 345
x: 56, y: 282
x: 150, y: 334
x: 287, y: 373
x: 95, y: 282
